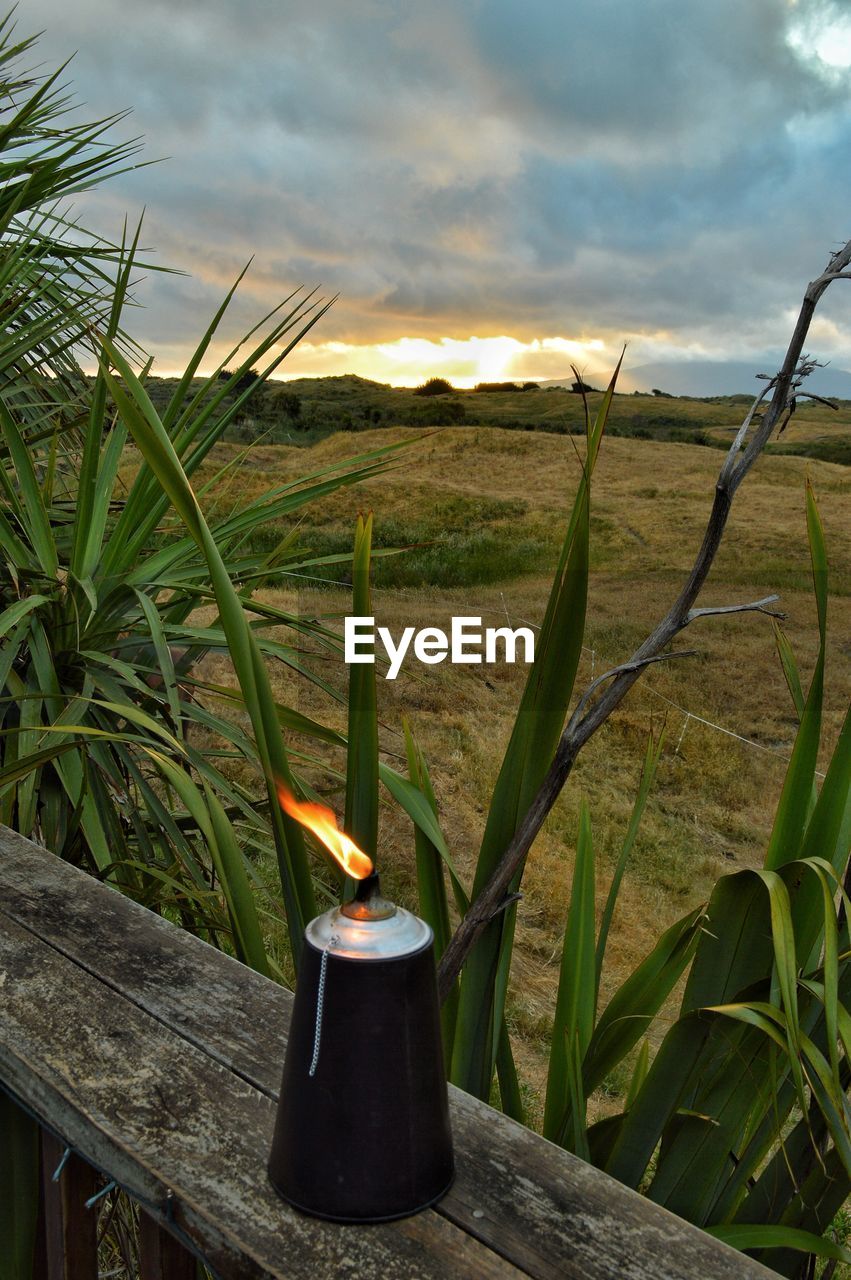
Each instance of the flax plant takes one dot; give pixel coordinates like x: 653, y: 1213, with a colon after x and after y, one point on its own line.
x: 117, y: 751
x: 56, y: 278
x: 480, y: 1043
x: 112, y: 753
x: 740, y: 1123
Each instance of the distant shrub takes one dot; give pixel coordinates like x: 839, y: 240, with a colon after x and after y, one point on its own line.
x: 288, y: 403
x: 445, y: 414
x: 531, y: 386
x: 837, y: 449
x: 434, y: 387
x: 496, y: 386
x: 578, y: 387
x: 243, y: 382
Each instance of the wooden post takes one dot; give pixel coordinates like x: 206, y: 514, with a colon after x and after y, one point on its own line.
x: 161, y: 1257
x: 70, y: 1229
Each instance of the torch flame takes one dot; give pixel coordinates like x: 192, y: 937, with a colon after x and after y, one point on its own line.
x: 322, y: 821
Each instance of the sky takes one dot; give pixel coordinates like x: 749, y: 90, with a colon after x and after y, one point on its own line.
x: 494, y: 188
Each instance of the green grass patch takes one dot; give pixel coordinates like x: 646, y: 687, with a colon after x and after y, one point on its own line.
x: 462, y: 541
x: 836, y: 449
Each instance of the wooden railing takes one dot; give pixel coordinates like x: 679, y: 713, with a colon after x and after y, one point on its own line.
x: 153, y: 1061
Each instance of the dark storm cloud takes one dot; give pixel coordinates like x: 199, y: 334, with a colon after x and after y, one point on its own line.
x: 474, y: 166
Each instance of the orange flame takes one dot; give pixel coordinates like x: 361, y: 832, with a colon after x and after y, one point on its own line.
x: 322, y: 821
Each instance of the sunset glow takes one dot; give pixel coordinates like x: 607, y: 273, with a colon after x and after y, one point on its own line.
x: 406, y: 362
x: 492, y: 192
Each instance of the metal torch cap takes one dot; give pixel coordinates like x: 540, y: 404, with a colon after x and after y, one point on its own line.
x: 399, y: 934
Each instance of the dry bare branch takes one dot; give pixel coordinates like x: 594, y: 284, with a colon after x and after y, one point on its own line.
x: 616, y: 671
x: 756, y: 606
x: 819, y: 400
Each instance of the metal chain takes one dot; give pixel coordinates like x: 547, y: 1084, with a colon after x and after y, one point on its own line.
x: 320, y: 1002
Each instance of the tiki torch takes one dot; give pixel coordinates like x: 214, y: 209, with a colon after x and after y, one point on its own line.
x: 362, y: 1131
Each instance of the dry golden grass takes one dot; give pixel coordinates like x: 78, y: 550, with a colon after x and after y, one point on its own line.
x: 712, y: 805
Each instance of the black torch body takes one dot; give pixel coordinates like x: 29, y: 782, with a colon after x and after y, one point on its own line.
x: 362, y: 1131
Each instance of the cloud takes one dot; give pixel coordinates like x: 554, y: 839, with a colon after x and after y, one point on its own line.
x: 665, y: 172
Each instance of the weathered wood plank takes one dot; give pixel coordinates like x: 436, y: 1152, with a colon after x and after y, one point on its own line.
x: 70, y: 1229
x: 549, y: 1213
x: 560, y: 1218
x: 158, y: 1114
x: 177, y: 978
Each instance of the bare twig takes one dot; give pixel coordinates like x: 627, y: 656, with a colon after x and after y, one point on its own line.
x: 749, y: 443
x: 757, y: 606
x: 616, y: 671
x: 828, y: 404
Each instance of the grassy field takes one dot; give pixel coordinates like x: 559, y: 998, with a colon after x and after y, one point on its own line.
x: 482, y: 512
x: 306, y: 410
